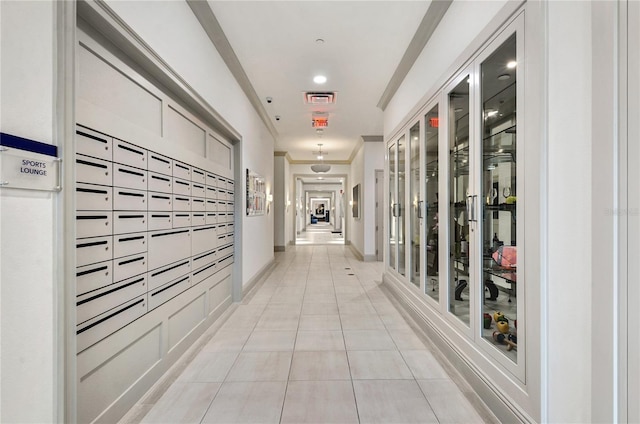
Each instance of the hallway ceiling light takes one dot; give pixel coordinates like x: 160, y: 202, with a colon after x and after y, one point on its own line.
x: 512, y: 64
x: 504, y: 77
x: 319, y: 79
x: 320, y: 167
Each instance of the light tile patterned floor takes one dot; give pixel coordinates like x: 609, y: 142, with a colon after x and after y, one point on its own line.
x: 317, y: 342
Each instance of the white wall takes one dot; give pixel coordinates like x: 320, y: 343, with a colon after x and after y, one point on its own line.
x: 279, y: 201
x: 373, y: 160
x: 569, y: 214
x: 171, y: 29
x: 357, y: 225
x: 28, y: 287
x: 460, y: 25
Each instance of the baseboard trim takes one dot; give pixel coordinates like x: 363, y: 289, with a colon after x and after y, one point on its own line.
x: 279, y: 248
x: 356, y: 252
x: 370, y: 258
x: 248, y: 290
x: 500, y: 405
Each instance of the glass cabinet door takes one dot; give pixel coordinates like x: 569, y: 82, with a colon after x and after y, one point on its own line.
x: 432, y: 124
x: 498, y: 190
x: 415, y: 226
x: 459, y: 208
x: 401, y: 203
x: 393, y: 208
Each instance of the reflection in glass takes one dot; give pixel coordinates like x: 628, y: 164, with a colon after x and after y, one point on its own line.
x: 431, y: 202
x: 401, y: 202
x: 392, y: 207
x: 498, y: 188
x: 458, y: 190
x: 414, y: 181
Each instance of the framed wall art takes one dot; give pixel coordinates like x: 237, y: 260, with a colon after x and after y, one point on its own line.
x: 256, y: 194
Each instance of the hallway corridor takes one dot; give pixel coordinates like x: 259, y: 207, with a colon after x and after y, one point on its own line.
x: 316, y: 342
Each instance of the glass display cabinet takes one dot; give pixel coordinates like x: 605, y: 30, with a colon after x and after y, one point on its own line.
x: 464, y: 199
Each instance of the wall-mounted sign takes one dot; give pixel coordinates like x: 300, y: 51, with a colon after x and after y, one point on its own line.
x: 28, y: 164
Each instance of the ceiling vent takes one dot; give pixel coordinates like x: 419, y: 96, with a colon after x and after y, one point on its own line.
x: 320, y: 98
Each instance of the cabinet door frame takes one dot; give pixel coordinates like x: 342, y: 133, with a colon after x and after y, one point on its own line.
x: 444, y: 156
x: 517, y: 369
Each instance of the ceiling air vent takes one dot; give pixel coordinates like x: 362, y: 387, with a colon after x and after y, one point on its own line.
x: 320, y: 98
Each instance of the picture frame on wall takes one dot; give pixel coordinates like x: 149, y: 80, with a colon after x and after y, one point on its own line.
x: 355, y: 201
x: 256, y: 194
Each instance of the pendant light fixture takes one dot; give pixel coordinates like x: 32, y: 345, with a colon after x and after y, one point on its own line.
x: 320, y: 167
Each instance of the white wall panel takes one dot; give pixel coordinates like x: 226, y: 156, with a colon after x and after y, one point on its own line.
x: 107, y: 88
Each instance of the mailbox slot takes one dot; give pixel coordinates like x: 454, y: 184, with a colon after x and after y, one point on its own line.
x: 100, y: 301
x: 163, y: 275
x: 129, y: 244
x: 92, y: 250
x: 91, y: 197
x: 96, y: 329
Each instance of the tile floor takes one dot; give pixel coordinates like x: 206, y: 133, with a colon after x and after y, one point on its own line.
x: 317, y: 342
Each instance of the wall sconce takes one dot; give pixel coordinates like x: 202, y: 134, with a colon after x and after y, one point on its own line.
x: 350, y: 202
x: 269, y: 200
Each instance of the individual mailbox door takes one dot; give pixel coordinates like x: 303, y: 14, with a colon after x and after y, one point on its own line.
x: 160, y: 183
x: 92, y: 277
x: 160, y: 221
x: 198, y: 176
x: 198, y: 190
x: 181, y: 187
x: 129, y: 266
x: 129, y: 222
x: 211, y: 192
x: 211, y: 180
x: 92, y: 143
x: 129, y: 177
x: 126, y: 199
x: 168, y: 291
x: 222, y: 194
x: 198, y: 204
x: 204, y: 273
x: 198, y: 218
x: 97, y: 328
x: 181, y: 219
x: 94, y: 224
x: 91, y: 250
x: 129, y: 154
x: 93, y: 171
x: 98, y: 302
x: 160, y: 202
x: 90, y: 197
x: 211, y: 218
x: 168, y: 246
x: 129, y: 244
x: 160, y: 164
x: 226, y: 261
x: 181, y: 170
x: 181, y: 203
x: 204, y: 238
x: 163, y: 275
x: 211, y: 205
x: 205, y: 259
x: 225, y: 251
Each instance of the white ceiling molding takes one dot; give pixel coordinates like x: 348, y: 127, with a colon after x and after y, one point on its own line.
x: 212, y: 28
x: 429, y: 23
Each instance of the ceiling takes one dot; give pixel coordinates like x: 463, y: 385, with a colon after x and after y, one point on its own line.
x: 364, y: 42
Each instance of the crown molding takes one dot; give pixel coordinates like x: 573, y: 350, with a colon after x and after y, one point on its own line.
x: 425, y: 30
x: 206, y: 17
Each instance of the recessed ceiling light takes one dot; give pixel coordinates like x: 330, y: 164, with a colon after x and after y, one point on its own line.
x: 504, y: 77
x: 319, y: 79
x: 319, y: 41
x: 457, y: 110
x: 320, y: 178
x: 512, y: 64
